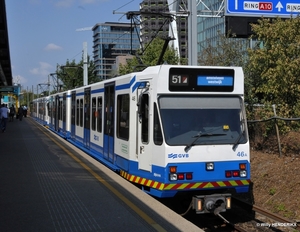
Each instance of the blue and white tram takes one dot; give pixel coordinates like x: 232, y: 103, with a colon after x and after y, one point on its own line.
x: 170, y: 129
x: 40, y: 111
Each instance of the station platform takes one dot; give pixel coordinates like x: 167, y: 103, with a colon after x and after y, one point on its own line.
x: 46, y: 184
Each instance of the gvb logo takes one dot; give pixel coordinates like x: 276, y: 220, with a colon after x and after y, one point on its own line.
x: 178, y: 156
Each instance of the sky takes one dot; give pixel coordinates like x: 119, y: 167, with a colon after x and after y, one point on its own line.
x: 44, y: 33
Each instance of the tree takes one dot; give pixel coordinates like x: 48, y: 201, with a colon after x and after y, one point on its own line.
x: 71, y: 74
x: 150, y: 57
x: 227, y: 51
x: 273, y: 70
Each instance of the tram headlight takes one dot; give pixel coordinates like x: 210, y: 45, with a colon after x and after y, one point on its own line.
x: 243, y: 173
x: 173, y: 176
x: 210, y: 166
x: 228, y: 202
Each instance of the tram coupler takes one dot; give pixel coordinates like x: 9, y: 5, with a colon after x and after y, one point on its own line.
x: 215, y: 203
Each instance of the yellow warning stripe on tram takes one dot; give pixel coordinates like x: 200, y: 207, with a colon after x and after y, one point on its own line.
x: 182, y: 186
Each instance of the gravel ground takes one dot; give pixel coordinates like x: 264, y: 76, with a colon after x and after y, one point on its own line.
x: 276, y: 182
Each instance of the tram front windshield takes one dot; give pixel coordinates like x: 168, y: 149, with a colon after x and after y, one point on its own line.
x: 213, y: 120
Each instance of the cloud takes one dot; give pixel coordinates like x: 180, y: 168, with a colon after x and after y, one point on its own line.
x: 51, y: 47
x: 43, y: 69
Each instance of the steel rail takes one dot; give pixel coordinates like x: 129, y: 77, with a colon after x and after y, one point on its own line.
x: 275, y: 217
x: 270, y: 215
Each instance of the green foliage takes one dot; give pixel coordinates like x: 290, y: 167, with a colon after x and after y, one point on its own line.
x: 71, y: 74
x: 150, y: 57
x: 131, y: 66
x: 272, y: 191
x: 280, y: 207
x: 26, y: 97
x: 227, y: 51
x: 273, y: 68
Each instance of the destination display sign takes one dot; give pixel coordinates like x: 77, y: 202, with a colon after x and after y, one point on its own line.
x: 215, y: 81
x: 201, y: 80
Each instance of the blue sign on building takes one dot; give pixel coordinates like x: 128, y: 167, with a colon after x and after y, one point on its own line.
x: 267, y: 8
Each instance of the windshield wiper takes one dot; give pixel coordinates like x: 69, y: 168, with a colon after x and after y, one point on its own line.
x: 237, y: 141
x: 200, y: 134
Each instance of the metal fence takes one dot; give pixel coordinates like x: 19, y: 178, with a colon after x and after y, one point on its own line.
x: 275, y: 120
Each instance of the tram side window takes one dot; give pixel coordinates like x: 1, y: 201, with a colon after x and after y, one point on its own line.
x: 123, y: 116
x: 99, y: 114
x: 39, y: 107
x: 81, y: 113
x: 157, y: 135
x: 59, y: 110
x: 77, y: 112
x: 94, y: 114
x: 64, y: 115
x: 145, y: 118
x: 48, y: 108
x: 73, y: 109
x: 51, y: 109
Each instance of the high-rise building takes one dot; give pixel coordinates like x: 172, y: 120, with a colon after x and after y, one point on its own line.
x: 155, y: 21
x: 211, y: 25
x: 110, y: 41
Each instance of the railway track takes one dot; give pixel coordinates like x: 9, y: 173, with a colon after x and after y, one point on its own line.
x: 243, y: 217
x: 269, y: 219
x: 279, y: 220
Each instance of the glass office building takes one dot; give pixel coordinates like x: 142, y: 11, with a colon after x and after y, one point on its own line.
x: 155, y: 20
x: 112, y: 40
x: 211, y: 25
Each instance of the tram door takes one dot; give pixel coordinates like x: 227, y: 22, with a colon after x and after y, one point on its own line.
x: 143, y: 130
x: 87, y: 117
x: 43, y: 110
x: 56, y: 113
x: 73, y: 112
x: 109, y: 120
x: 51, y: 115
x: 64, y: 113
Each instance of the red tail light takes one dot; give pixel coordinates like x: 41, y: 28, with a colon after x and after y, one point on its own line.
x: 189, y: 176
x: 180, y: 176
x: 228, y: 174
x: 236, y: 173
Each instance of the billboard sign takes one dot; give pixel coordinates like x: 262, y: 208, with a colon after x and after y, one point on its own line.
x: 7, y: 89
x: 274, y: 8
x: 10, y: 89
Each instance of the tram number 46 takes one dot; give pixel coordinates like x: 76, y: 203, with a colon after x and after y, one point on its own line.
x: 241, y: 154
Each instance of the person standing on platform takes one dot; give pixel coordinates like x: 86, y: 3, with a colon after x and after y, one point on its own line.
x: 12, y: 112
x: 20, y: 113
x: 25, y: 111
x: 4, y: 115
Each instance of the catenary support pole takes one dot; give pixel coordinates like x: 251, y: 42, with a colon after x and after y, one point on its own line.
x: 85, y: 64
